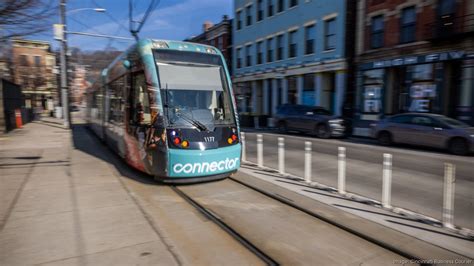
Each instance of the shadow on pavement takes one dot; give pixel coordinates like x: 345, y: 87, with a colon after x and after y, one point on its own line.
x: 86, y: 141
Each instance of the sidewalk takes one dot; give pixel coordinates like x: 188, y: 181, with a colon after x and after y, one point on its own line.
x: 56, y: 209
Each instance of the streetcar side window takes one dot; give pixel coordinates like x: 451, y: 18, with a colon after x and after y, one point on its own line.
x: 140, y: 104
x: 116, y: 88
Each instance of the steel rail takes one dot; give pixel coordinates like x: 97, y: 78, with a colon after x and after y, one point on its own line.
x: 215, y: 219
x: 288, y: 202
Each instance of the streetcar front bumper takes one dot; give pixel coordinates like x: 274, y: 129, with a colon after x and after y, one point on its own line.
x: 201, y: 163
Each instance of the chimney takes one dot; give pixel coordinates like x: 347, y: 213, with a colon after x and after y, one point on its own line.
x: 206, y: 26
x: 225, y: 18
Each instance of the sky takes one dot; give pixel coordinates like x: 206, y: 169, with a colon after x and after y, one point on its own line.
x: 171, y: 20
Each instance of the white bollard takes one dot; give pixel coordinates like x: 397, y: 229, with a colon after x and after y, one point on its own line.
x: 259, y: 150
x: 281, y: 155
x: 341, y: 170
x: 307, y: 161
x: 448, y: 195
x: 244, y: 150
x: 387, y: 181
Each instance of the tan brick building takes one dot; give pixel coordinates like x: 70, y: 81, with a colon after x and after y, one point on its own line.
x: 414, y: 56
x: 34, y: 68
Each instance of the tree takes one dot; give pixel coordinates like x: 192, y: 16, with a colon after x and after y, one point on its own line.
x: 25, y: 17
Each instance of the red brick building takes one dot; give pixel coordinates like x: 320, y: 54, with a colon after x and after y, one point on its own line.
x: 34, y: 68
x: 218, y: 35
x: 414, y: 56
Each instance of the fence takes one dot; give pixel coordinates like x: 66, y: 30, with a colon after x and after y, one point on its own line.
x: 386, y: 195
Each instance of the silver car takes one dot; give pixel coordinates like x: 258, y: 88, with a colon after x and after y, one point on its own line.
x: 431, y: 130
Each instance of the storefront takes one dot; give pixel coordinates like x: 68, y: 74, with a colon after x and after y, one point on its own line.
x: 433, y: 83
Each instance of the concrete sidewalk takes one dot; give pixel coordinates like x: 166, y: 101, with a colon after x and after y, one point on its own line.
x: 56, y: 209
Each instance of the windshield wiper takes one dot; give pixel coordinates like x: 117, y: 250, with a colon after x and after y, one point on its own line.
x: 190, y: 120
x: 193, y: 122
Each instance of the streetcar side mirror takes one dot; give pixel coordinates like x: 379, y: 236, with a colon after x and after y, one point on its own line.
x: 126, y: 64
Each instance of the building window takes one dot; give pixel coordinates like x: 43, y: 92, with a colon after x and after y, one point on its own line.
x: 23, y: 60
x: 408, y: 25
x: 376, y: 2
x: 249, y: 15
x: 269, y: 8
x: 281, y: 5
x: 280, y: 47
x: 248, y: 56
x: 37, y: 60
x: 330, y: 34
x: 377, y: 32
x: 259, y: 10
x: 270, y: 50
x: 238, y: 17
x: 447, y: 7
x: 293, y: 48
x: 239, y: 57
x: 259, y: 48
x: 293, y: 3
x: 220, y: 42
x: 310, y: 36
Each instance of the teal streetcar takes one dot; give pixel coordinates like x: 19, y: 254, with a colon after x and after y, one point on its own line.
x: 168, y: 109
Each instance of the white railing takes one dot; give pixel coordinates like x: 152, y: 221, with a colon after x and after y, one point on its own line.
x: 449, y: 175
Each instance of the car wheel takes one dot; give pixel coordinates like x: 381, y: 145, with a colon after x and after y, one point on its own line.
x: 384, y: 138
x: 458, y: 146
x: 322, y: 131
x: 282, y: 126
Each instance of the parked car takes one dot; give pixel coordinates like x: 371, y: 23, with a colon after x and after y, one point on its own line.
x: 74, y: 108
x: 311, y: 119
x: 430, y: 130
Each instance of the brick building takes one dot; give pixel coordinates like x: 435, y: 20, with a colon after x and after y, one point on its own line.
x: 79, y: 84
x: 414, y: 56
x: 34, y: 70
x: 218, y: 35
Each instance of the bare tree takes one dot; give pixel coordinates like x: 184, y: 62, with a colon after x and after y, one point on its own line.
x: 25, y: 17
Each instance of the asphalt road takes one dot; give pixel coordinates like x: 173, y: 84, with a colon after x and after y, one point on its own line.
x: 417, y: 174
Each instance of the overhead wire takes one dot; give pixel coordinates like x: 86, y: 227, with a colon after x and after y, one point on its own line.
x: 134, y: 31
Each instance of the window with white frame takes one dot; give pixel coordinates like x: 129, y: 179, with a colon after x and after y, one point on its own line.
x: 270, y: 47
x: 292, y: 45
x: 310, y: 36
x: 330, y: 34
x: 259, y: 48
x: 248, y: 55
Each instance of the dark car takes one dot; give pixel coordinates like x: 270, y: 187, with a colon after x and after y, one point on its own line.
x: 74, y: 108
x: 431, y: 130
x: 310, y: 119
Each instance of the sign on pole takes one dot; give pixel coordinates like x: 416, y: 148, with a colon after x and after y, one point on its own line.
x: 58, y: 31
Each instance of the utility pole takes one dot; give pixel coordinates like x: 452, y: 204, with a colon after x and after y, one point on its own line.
x: 63, y: 59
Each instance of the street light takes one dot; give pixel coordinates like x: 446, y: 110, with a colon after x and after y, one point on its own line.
x: 100, y: 10
x: 64, y: 85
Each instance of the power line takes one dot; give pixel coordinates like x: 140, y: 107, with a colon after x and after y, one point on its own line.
x: 110, y: 16
x: 150, y: 9
x: 85, y: 25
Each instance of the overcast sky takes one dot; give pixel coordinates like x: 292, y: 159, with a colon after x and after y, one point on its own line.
x: 172, y: 20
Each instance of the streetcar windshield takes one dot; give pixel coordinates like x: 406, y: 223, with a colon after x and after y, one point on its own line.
x: 194, y: 89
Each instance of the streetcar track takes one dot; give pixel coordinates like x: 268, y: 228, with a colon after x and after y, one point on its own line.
x: 290, y: 203
x: 219, y: 222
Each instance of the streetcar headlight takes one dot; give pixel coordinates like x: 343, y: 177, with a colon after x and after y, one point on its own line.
x: 229, y: 140
x: 210, y: 50
x: 158, y: 44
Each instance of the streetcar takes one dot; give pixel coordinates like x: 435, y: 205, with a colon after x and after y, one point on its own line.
x: 167, y: 108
